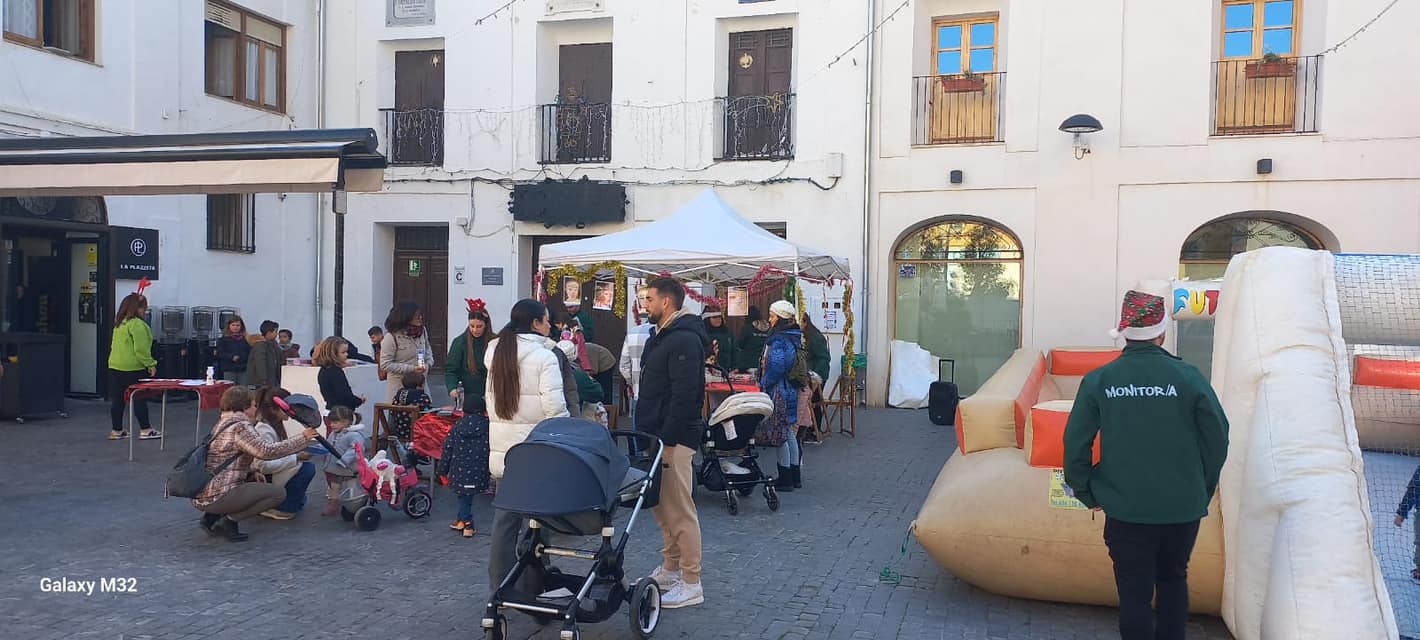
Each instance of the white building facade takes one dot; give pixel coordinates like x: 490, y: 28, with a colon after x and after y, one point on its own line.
x: 661, y: 100
x: 1227, y: 125
x: 116, y: 67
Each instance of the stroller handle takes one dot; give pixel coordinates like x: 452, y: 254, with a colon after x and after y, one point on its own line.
x: 724, y: 373
x: 640, y: 436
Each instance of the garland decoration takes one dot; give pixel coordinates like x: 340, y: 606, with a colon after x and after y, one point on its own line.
x: 850, y: 371
x: 618, y: 270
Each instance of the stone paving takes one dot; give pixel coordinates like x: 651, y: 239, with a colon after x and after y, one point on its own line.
x: 75, y: 508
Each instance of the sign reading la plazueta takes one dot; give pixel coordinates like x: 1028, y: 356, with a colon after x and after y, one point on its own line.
x: 135, y: 253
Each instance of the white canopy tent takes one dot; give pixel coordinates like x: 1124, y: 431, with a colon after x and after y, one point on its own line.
x: 706, y: 241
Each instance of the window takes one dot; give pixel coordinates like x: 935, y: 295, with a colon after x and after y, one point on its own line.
x: 62, y: 26
x: 231, y: 223
x: 245, y: 57
x: 964, y: 46
x: 1255, y: 28
x: 959, y: 295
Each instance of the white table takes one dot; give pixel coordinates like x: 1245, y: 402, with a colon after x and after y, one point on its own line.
x: 364, y: 381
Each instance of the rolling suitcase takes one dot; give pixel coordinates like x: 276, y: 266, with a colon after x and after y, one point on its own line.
x: 942, y: 396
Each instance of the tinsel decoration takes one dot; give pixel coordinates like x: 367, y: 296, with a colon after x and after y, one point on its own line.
x: 849, y: 371
x: 618, y: 270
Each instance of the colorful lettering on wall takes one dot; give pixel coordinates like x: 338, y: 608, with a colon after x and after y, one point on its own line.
x: 1189, y: 304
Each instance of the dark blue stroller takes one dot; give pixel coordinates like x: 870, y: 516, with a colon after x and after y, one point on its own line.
x: 569, y: 478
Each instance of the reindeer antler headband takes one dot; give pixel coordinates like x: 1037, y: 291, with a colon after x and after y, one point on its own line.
x: 143, y: 285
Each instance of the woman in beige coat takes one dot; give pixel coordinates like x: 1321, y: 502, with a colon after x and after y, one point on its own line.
x: 405, y: 346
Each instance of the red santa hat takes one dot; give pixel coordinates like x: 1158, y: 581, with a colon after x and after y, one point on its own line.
x: 1143, y: 317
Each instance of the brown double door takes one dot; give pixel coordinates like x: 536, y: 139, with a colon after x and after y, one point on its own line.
x: 584, y: 103
x: 416, y: 126
x: 758, y: 109
x: 421, y: 275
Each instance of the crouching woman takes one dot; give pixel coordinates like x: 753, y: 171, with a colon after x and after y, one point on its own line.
x: 236, y: 491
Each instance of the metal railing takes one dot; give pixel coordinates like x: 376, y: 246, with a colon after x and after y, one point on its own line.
x: 414, y: 136
x: 576, y: 133
x: 756, y: 127
x: 957, y: 109
x: 1272, y: 95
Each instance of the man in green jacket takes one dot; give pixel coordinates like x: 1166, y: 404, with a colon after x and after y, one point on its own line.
x: 1164, y: 439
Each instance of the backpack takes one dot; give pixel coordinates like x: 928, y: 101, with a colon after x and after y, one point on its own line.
x: 799, y: 373
x: 189, y: 476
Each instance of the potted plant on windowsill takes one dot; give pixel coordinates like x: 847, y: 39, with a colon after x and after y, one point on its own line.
x: 1271, y: 66
x: 967, y: 82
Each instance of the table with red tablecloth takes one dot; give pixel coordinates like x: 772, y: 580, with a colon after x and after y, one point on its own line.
x: 209, y: 396
x: 720, y: 388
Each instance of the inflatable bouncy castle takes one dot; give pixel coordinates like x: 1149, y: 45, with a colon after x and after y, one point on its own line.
x: 1316, y: 356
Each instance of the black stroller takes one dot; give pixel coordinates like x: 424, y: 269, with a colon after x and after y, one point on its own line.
x: 569, y: 477
x: 728, y: 462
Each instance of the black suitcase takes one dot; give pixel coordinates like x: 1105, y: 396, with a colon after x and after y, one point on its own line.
x: 943, y: 396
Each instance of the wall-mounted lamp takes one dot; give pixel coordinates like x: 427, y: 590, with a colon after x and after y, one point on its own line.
x: 1264, y: 166
x: 1080, y: 124
x: 956, y: 176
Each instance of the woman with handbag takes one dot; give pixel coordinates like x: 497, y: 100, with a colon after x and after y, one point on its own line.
x: 236, y: 492
x: 405, y: 346
x: 783, y: 373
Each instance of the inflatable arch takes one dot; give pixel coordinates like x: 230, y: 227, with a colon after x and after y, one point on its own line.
x: 1287, y: 550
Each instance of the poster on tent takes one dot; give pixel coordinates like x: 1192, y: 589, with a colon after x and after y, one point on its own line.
x: 824, y: 306
x: 605, y: 296
x: 1061, y: 497
x: 738, y: 302
x: 571, y: 291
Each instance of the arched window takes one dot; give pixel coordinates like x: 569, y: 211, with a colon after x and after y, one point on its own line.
x: 1205, y: 256
x: 959, y: 295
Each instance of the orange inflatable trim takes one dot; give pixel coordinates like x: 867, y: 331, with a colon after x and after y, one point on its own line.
x: 1079, y: 363
x: 1389, y: 374
x: 1047, y: 447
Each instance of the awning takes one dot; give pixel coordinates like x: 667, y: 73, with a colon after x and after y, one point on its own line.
x: 301, y: 161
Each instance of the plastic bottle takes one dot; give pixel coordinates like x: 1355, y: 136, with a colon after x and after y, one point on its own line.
x: 210, y: 373
x: 421, y: 358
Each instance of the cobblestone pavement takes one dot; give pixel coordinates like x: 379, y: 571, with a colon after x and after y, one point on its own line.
x: 74, y: 507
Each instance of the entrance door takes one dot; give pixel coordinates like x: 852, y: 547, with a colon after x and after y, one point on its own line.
x: 85, y: 317
x: 421, y: 275
x: 416, y: 128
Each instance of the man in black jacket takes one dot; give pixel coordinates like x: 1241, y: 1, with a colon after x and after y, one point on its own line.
x: 669, y: 406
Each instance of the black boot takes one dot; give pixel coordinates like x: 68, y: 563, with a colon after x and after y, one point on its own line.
x: 798, y: 478
x: 209, y: 522
x: 785, y: 480
x: 234, y: 533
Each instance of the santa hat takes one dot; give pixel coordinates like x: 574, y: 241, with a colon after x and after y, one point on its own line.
x: 712, y: 311
x: 1143, y: 317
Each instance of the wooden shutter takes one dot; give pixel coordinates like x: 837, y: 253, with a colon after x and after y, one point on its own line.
x: 747, y: 68
x: 584, y: 71
x: 779, y: 60
x: 417, y: 125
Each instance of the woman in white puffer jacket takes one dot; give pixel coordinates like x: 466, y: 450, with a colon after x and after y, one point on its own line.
x: 524, y: 388
x: 525, y: 385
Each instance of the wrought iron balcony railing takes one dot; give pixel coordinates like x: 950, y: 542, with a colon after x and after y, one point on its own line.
x: 576, y: 133
x: 757, y: 127
x: 414, y: 137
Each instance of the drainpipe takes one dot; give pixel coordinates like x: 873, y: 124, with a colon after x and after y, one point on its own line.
x: 866, y: 289
x: 320, y: 197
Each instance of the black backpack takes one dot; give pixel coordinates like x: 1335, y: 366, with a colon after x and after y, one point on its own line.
x: 189, y: 476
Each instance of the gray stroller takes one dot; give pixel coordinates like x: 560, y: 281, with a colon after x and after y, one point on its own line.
x: 569, y: 478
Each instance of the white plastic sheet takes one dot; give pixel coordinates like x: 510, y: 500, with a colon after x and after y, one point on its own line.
x: 914, y: 369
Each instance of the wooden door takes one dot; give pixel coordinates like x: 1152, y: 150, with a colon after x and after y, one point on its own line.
x: 584, y: 102
x: 422, y: 277
x: 416, y: 126
x: 757, y: 109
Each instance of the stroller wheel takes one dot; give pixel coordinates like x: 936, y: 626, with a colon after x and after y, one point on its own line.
x: 418, y: 504
x: 368, y: 518
x: 771, y: 498
x: 645, y: 608
x: 495, y: 629
x: 732, y: 504
x: 347, y: 514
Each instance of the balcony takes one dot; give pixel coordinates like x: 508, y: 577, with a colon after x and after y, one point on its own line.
x: 757, y: 127
x: 957, y: 109
x: 576, y: 133
x: 414, y: 137
x: 1274, y: 95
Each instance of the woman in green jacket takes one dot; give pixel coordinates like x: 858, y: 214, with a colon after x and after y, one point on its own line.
x: 130, y: 360
x: 464, y: 365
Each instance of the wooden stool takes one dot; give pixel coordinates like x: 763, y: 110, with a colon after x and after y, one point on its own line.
x: 382, y: 433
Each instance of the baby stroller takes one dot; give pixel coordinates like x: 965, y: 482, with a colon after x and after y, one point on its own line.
x: 570, y: 478
x: 728, y: 462
x: 399, y: 487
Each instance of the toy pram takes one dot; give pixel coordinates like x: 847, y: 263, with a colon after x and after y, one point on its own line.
x: 568, y: 477
x: 381, y: 480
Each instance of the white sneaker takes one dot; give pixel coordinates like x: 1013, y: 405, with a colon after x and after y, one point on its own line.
x: 666, y: 580
x: 683, y: 595
x: 731, y: 468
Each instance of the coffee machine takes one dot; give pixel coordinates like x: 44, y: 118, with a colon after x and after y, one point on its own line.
x: 171, y: 346
x: 203, y: 342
